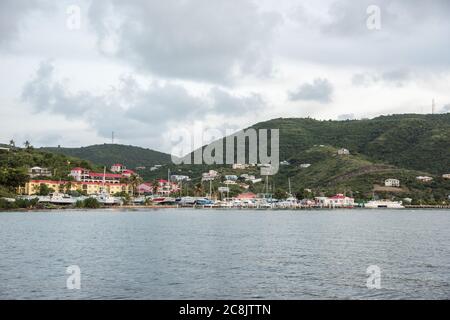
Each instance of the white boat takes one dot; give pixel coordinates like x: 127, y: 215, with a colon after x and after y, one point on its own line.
x: 104, y: 198
x: 374, y: 204
x: 59, y: 198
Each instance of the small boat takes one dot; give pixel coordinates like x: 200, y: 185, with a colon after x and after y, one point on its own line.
x: 388, y: 204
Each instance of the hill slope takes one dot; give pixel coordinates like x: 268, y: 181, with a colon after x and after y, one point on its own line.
x: 412, y: 141
x: 108, y: 154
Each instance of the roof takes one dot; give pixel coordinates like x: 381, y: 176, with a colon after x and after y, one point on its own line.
x: 247, y: 195
x: 338, y: 196
x: 107, y: 175
x: 117, y: 165
x: 77, y: 182
x: 78, y: 169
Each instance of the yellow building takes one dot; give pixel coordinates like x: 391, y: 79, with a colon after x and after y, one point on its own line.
x: 32, y: 187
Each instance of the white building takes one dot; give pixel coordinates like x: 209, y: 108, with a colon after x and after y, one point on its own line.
x: 446, y: 176
x: 210, y: 175
x: 285, y: 163
x: 39, y: 172
x: 305, y: 165
x: 424, y: 178
x: 239, y: 166
x: 178, y: 178
x: 231, y: 177
x: 392, y: 183
x: 118, y: 167
x: 337, y: 201
x: 343, y: 151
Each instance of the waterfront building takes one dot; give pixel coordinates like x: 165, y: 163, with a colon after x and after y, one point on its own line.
x: 145, y: 188
x: 392, y: 183
x: 336, y: 201
x: 246, y: 196
x: 32, y: 187
x: 165, y: 188
x: 85, y: 175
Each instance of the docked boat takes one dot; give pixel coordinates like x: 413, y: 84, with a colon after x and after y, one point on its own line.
x: 59, y: 198
x: 374, y: 204
x: 105, y: 198
x: 163, y: 200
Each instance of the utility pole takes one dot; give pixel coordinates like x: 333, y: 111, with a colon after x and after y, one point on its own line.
x: 210, y: 189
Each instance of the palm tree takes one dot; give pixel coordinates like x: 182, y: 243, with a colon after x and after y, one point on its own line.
x: 198, y: 190
x: 12, y: 144
x: 134, y: 180
x: 27, y: 144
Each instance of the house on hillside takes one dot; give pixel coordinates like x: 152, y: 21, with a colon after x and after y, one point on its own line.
x: 239, y: 166
x: 179, y: 177
x: 39, y: 172
x: 118, y: 168
x: 305, y: 165
x: 392, y: 183
x: 446, y: 176
x: 424, y: 178
x: 343, y: 151
x: 210, y: 175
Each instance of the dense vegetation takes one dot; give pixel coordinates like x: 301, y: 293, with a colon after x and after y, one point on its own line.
x: 411, y: 141
x: 108, y: 154
x: 14, y: 165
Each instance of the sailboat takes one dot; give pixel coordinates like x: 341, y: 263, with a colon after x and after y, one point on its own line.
x: 104, y: 197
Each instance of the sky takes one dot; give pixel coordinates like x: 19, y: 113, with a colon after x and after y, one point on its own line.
x: 72, y: 72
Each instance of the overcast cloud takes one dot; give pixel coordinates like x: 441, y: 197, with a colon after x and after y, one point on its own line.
x: 142, y: 68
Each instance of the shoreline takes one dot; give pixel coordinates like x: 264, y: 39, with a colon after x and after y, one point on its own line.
x: 158, y: 207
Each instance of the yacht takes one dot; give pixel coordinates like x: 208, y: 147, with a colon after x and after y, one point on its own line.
x: 374, y: 204
x: 105, y: 198
x: 59, y: 198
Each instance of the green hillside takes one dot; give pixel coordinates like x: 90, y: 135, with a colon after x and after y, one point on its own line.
x: 412, y: 141
x: 14, y: 166
x: 108, y: 154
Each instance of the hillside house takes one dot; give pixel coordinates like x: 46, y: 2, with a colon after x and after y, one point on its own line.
x: 392, y: 183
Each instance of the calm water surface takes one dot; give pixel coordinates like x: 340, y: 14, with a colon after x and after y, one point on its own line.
x: 213, y: 254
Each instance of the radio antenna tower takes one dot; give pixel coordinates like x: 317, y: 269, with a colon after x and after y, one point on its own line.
x: 112, y: 137
x: 433, y: 107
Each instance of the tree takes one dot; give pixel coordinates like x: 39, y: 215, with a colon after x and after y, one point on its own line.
x: 280, y: 194
x: 12, y: 144
x: 44, y: 190
x: 134, y: 181
x: 198, y: 189
x: 27, y: 144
